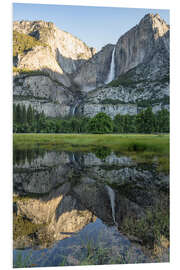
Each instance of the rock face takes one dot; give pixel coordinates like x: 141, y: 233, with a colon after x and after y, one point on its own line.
x: 75, y: 76
x: 142, y: 44
x: 67, y: 50
x: 95, y: 71
x: 43, y: 94
x: 141, y: 72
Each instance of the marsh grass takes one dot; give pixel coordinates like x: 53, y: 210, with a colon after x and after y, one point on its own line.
x: 152, y: 229
x: 96, y: 253
x: 143, y: 148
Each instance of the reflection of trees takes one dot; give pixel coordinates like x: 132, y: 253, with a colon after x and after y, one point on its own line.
x: 20, y: 156
x: 102, y: 152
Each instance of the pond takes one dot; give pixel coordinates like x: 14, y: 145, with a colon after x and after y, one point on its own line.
x: 77, y: 208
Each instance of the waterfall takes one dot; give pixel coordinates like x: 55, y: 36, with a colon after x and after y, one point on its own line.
x: 74, y: 108
x: 112, y: 200
x: 111, y: 74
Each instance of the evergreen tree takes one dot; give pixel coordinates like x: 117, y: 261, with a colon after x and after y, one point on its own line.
x: 145, y: 121
x: 24, y: 114
x: 14, y: 113
x: 30, y: 115
x: 101, y: 123
x: 118, y: 123
x: 162, y: 121
x: 18, y: 113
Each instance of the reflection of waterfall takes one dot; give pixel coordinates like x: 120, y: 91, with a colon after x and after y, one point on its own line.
x: 112, y: 200
x: 112, y: 68
x: 73, y: 158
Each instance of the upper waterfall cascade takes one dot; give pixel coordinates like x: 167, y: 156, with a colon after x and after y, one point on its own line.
x: 111, y: 74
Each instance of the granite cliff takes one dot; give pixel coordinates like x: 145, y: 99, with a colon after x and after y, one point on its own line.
x: 62, y: 76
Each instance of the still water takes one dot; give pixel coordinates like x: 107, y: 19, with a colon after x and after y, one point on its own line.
x: 88, y: 208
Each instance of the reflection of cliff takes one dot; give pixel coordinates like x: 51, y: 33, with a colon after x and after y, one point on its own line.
x: 42, y: 174
x: 59, y: 216
x: 47, y: 171
x: 72, y: 191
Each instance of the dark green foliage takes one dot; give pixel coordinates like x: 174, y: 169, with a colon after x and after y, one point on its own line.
x: 124, y: 123
x: 30, y: 115
x: 162, y: 121
x: 145, y: 121
x: 102, y: 152
x: 20, y: 156
x: 27, y: 120
x: 101, y: 123
x: 18, y: 113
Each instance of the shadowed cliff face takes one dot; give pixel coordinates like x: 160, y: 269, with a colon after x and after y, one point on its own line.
x: 95, y: 72
x: 141, y: 43
x: 63, y: 192
x: 145, y: 43
x: 141, y: 72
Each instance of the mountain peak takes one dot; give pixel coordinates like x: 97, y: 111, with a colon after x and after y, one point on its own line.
x: 150, y: 17
x: 156, y: 23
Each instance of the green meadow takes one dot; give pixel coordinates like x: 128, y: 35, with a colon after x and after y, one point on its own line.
x: 141, y: 147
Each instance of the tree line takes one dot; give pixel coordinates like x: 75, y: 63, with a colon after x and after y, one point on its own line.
x: 28, y: 120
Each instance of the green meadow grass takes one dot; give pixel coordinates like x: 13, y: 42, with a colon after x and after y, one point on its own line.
x: 141, y: 147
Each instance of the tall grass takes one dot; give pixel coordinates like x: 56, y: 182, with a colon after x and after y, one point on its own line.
x: 134, y: 142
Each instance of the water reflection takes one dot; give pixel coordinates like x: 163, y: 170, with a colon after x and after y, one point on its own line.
x: 57, y: 194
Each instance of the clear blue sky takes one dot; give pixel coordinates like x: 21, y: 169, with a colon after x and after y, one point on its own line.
x: 97, y: 26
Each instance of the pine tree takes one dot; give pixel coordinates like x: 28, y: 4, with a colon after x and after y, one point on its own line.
x: 18, y: 114
x: 30, y: 115
x: 24, y: 114
x: 14, y: 113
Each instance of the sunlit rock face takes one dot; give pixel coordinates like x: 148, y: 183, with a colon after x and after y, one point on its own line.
x: 68, y: 51
x: 59, y: 214
x: 47, y: 89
